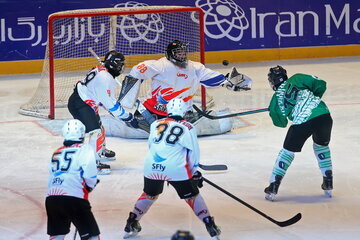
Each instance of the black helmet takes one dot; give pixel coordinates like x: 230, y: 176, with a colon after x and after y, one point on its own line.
x: 276, y: 76
x: 114, y: 62
x: 173, y: 51
x: 182, y: 235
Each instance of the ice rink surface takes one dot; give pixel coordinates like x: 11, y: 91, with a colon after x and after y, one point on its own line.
x: 249, y: 151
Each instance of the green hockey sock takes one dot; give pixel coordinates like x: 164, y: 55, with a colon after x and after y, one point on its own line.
x: 282, y: 163
x: 323, y: 157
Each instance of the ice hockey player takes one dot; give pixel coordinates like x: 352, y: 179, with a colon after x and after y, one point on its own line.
x: 95, y: 90
x: 299, y: 100
x: 72, y: 176
x: 174, y: 76
x: 173, y: 156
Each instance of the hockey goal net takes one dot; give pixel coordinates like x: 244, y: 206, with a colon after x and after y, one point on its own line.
x: 140, y: 33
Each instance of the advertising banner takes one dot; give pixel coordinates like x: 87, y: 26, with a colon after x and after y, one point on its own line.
x: 229, y: 24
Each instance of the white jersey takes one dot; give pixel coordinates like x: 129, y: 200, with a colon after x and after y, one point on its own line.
x: 98, y: 88
x: 170, y: 81
x: 173, y: 151
x: 71, y: 167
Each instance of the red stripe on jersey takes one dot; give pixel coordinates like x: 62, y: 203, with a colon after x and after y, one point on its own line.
x: 86, y: 193
x: 187, y: 165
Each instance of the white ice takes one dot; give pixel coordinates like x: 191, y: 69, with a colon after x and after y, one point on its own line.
x: 249, y: 152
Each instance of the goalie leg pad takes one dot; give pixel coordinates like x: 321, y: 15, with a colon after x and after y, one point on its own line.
x: 206, y: 127
x: 116, y: 128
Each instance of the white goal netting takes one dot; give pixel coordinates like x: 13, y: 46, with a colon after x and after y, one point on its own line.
x: 140, y: 33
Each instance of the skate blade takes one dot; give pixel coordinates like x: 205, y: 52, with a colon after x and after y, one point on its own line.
x: 104, y: 172
x: 215, y: 238
x: 328, y: 193
x: 130, y: 234
x: 107, y: 159
x: 270, y: 196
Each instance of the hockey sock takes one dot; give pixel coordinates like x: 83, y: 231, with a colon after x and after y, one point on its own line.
x: 282, y: 163
x: 97, y: 140
x: 57, y: 237
x: 323, y: 157
x: 143, y: 204
x: 199, y: 207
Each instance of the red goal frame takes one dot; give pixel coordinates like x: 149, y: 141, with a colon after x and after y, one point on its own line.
x: 120, y: 12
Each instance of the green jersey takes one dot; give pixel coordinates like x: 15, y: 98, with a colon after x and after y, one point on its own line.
x: 298, y: 99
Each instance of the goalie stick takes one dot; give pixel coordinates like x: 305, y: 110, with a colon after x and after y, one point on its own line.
x: 285, y: 223
x: 216, y: 167
x: 203, y: 113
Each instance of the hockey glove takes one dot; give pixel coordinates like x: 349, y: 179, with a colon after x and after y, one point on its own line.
x: 131, y: 121
x: 236, y: 81
x: 198, y: 179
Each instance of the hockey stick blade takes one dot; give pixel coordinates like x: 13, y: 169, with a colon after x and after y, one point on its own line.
x: 290, y: 221
x: 216, y: 167
x: 229, y: 115
x: 285, y: 223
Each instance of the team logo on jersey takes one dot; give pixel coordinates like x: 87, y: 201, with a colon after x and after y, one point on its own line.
x: 182, y: 75
x: 223, y: 18
x: 157, y: 158
x: 57, y: 181
x: 158, y: 167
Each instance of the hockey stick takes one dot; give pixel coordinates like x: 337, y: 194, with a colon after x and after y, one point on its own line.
x: 229, y: 115
x: 74, y: 238
x: 286, y: 223
x: 144, y: 112
x: 216, y: 167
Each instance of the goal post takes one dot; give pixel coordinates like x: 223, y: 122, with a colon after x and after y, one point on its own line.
x: 140, y: 33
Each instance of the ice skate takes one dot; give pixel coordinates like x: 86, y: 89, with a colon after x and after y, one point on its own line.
x: 132, y: 227
x: 327, y: 184
x: 107, y: 155
x: 103, y: 169
x: 272, y: 189
x: 211, y: 227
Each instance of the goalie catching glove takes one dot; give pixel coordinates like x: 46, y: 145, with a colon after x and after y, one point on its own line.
x: 237, y: 82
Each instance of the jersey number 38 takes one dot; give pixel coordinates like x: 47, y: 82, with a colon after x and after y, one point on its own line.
x: 171, y: 136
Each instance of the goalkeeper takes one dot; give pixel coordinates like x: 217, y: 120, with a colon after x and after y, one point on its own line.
x: 174, y: 76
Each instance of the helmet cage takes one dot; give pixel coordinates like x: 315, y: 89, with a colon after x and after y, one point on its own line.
x: 177, y: 53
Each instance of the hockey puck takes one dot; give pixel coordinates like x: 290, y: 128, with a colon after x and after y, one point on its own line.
x: 225, y: 62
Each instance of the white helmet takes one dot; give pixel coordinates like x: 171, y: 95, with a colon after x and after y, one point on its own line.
x: 73, y: 130
x: 176, y: 107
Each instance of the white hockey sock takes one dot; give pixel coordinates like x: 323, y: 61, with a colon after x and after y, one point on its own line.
x: 143, y: 204
x: 97, y: 140
x: 57, y: 237
x: 198, y: 205
x: 323, y: 157
x: 282, y: 163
